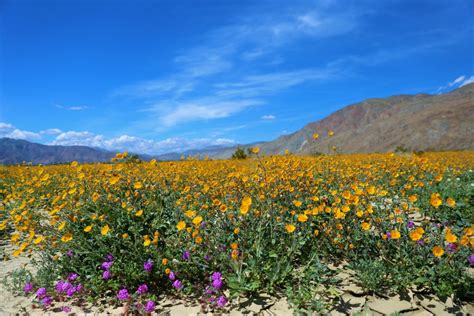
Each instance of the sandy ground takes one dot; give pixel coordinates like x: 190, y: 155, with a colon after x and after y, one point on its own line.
x: 350, y: 299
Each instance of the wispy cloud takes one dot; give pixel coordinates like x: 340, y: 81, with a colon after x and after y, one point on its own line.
x: 71, y: 108
x: 199, y: 109
x: 460, y: 81
x: 217, y: 79
x: 268, y: 117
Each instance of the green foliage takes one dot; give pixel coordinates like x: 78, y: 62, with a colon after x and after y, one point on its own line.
x: 240, y: 153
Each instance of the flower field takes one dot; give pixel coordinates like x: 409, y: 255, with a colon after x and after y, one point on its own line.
x: 213, y: 231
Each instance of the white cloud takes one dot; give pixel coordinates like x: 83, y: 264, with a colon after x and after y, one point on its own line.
x: 456, y: 81
x: 467, y: 81
x: 71, y: 108
x: 51, y: 131
x: 271, y: 83
x: 10, y: 131
x: 268, y: 117
x: 460, y: 81
x: 136, y: 144
x: 6, y: 126
x: 200, y: 109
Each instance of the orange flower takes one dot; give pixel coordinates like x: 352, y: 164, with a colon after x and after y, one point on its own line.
x: 395, y: 234
x: 436, y: 200
x: 290, y: 228
x: 181, y: 225
x: 438, y: 251
x: 365, y: 226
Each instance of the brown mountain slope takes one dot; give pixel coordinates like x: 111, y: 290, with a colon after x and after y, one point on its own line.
x: 418, y: 122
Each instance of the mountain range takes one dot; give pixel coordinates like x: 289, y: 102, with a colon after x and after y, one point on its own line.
x: 403, y: 122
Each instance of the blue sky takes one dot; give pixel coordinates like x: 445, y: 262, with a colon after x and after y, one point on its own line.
x: 161, y: 76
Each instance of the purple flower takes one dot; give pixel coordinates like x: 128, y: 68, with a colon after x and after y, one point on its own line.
x: 41, y: 292
x: 79, y: 287
x: 203, y: 224
x: 207, y: 258
x: 421, y: 242
x: 470, y: 259
x: 70, y: 253
x: 172, y: 276
x: 72, y: 276
x: 177, y: 284
x: 70, y: 292
x: 62, y: 286
x: 106, y: 265
x: 216, y: 275
x: 46, y: 301
x: 66, y: 309
x: 109, y: 258
x: 106, y: 275
x: 221, y: 301
x: 142, y: 289
x: 186, y: 255
x: 411, y: 224
x: 28, y: 287
x: 122, y: 294
x: 150, y: 307
x: 451, y: 247
x: 389, y: 235
x: 148, y: 265
x: 217, y: 284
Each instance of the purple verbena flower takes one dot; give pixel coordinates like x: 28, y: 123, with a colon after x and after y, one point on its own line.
x: 389, y: 235
x: 71, y: 291
x: 217, y: 284
x: 70, y: 253
x: 216, y: 276
x: 28, y: 287
x: 79, y: 287
x: 72, y: 276
x: 41, y: 292
x: 177, y: 284
x: 106, y: 275
x: 411, y: 224
x: 122, y: 294
x: 66, y: 309
x: 172, y: 276
x: 470, y: 259
x: 142, y: 289
x: 148, y: 265
x: 207, y: 258
x: 46, y: 301
x: 109, y: 258
x: 221, y: 301
x: 421, y: 242
x: 186, y: 255
x: 451, y: 247
x: 150, y: 306
x: 106, y: 265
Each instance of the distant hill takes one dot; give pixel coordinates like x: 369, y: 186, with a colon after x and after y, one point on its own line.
x: 413, y: 122
x: 13, y: 151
